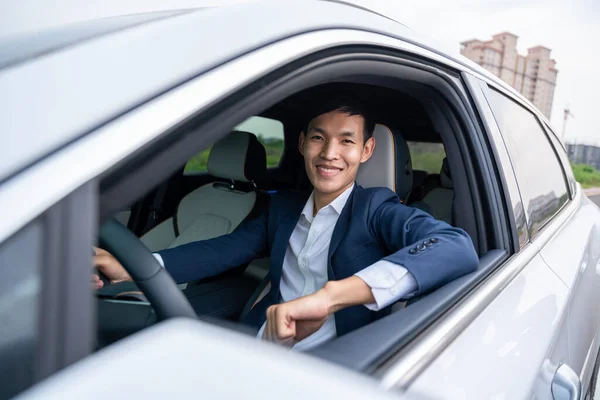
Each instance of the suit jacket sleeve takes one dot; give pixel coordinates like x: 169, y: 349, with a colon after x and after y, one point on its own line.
x: 434, y: 252
x: 197, y: 260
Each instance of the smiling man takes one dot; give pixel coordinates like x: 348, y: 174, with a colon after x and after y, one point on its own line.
x: 341, y: 255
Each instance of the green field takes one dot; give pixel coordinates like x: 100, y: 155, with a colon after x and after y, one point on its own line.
x: 427, y: 156
x: 430, y: 162
x: 586, y: 175
x: 273, y: 147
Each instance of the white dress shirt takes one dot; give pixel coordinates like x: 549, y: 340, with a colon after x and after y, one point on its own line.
x: 304, y: 268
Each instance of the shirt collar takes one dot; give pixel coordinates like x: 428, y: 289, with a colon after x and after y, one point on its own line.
x: 337, y: 204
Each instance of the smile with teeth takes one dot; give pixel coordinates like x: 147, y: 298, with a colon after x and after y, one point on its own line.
x: 328, y: 170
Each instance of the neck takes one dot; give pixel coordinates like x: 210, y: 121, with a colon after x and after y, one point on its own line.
x: 324, y: 199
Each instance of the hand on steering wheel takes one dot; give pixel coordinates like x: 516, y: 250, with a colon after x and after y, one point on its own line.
x: 141, y: 267
x: 107, y: 270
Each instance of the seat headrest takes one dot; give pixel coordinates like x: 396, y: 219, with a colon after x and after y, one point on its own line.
x: 380, y: 169
x: 239, y: 156
x: 445, y: 175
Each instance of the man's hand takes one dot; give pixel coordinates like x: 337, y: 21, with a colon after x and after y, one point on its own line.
x: 109, y: 266
x: 290, y: 322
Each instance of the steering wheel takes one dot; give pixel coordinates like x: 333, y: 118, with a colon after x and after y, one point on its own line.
x: 155, y: 282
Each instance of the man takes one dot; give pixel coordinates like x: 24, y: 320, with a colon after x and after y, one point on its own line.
x: 340, y: 258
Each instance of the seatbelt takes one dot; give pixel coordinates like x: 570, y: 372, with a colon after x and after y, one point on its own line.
x: 156, y: 207
x: 259, y: 293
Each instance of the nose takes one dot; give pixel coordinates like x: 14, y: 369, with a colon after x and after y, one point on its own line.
x: 329, y: 151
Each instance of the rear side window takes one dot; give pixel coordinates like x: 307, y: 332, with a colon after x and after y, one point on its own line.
x: 539, y: 173
x: 268, y: 131
x: 426, y: 156
x: 562, y: 155
x: 20, y: 261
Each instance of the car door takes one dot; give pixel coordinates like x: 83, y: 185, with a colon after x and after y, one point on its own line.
x: 578, y: 268
x: 545, y: 193
x: 514, y: 346
x: 545, y: 179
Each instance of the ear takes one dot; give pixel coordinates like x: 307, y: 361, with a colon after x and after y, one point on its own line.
x: 301, y: 138
x: 368, y: 149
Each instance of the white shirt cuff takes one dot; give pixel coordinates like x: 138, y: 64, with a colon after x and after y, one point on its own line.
x: 389, y: 283
x: 159, y: 259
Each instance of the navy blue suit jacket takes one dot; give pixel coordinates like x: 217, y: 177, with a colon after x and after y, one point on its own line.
x: 373, y: 225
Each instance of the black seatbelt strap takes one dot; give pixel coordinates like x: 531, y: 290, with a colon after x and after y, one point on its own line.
x: 175, y: 226
x: 156, y: 207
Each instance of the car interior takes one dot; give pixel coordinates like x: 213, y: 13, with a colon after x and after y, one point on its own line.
x: 416, y: 156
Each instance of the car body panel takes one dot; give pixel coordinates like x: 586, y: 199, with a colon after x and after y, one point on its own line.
x: 502, y: 347
x: 566, y: 251
x: 178, y: 358
x: 27, y: 46
x: 569, y: 337
x: 573, y: 253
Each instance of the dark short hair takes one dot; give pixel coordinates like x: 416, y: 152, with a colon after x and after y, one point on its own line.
x: 348, y: 106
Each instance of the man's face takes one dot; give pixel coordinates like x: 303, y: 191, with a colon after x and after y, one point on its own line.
x: 333, y: 149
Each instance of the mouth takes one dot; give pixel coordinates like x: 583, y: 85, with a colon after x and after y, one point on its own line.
x: 327, y: 171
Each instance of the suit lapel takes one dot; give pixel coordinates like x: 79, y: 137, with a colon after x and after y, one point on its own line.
x: 341, y: 227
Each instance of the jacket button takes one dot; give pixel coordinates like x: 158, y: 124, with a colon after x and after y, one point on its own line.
x: 428, y: 243
x: 433, y: 240
x: 413, y: 251
x: 421, y: 247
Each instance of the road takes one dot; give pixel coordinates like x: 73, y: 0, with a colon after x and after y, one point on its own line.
x: 595, y: 199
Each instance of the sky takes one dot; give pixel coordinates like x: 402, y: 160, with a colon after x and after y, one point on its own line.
x: 568, y: 28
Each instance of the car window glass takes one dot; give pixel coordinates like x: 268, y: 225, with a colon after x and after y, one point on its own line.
x: 20, y: 261
x: 268, y: 131
x: 537, y: 168
x: 564, y: 158
x: 427, y: 156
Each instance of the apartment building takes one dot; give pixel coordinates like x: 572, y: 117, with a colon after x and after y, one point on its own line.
x: 533, y: 75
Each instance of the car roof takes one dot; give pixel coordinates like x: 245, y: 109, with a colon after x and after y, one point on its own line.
x: 75, y: 85
x: 22, y: 47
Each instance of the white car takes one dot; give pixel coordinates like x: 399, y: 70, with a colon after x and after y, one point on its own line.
x: 113, y: 118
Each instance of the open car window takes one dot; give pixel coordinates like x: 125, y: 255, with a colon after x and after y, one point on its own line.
x: 268, y: 131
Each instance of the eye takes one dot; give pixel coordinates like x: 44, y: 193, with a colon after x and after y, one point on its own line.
x: 316, y: 137
x: 347, y: 141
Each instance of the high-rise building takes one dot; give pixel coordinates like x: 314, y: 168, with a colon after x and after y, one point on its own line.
x: 533, y: 75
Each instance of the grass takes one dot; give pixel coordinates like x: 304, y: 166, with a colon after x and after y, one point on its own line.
x: 430, y: 162
x: 586, y: 175
x: 425, y: 156
x: 199, y: 163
